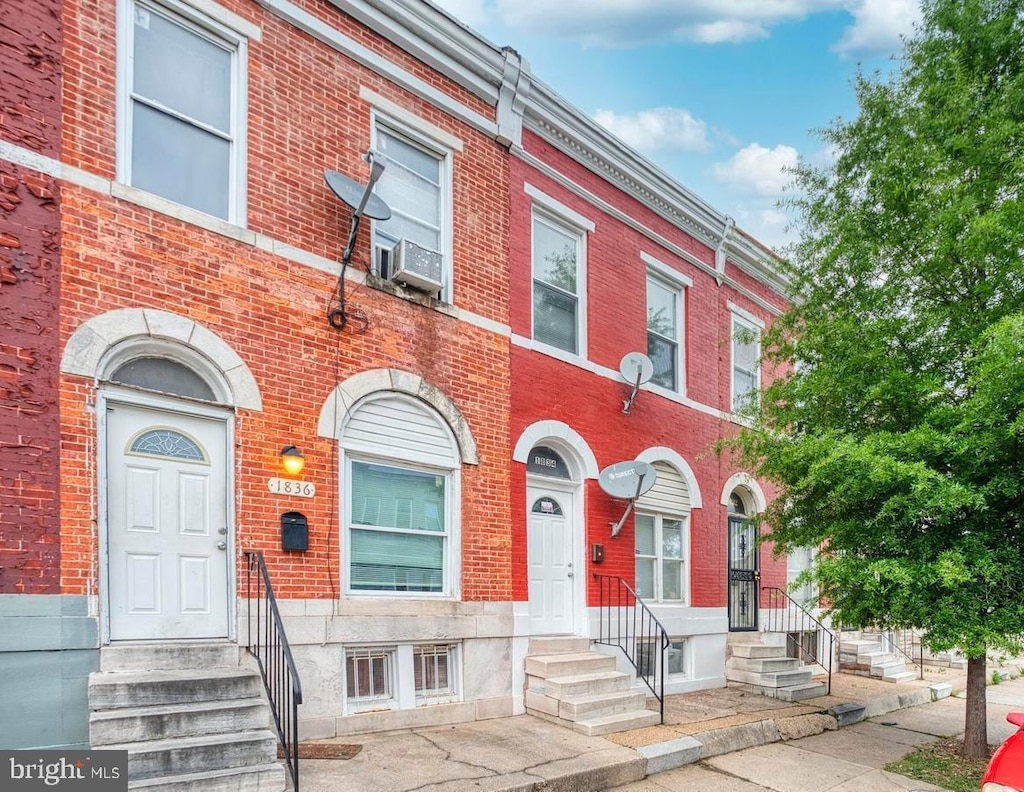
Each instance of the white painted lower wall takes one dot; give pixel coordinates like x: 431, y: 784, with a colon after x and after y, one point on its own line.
x: 493, y: 639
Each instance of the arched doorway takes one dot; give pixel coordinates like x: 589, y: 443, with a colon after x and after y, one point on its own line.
x: 553, y: 536
x: 166, y: 496
x: 744, y: 564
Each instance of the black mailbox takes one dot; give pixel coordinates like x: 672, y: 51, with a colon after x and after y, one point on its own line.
x: 294, y: 531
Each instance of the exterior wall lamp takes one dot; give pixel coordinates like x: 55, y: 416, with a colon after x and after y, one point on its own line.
x: 292, y: 460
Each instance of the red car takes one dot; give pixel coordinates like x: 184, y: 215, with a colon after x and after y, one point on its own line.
x: 1005, y: 772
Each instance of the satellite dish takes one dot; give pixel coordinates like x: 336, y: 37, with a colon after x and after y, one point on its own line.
x: 627, y: 479
x: 353, y: 193
x: 636, y: 368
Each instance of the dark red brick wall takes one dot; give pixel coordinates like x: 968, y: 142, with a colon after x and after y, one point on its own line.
x: 30, y: 116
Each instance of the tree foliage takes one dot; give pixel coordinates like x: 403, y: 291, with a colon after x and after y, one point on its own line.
x: 895, y: 438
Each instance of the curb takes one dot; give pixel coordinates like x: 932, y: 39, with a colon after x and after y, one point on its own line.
x: 675, y: 753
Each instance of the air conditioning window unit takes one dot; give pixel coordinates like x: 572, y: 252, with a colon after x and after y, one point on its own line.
x: 415, y: 266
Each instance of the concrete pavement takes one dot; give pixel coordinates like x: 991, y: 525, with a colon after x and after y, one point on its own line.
x: 743, y: 743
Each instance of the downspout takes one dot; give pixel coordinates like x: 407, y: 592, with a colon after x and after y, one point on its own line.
x: 720, y: 253
x: 515, y: 86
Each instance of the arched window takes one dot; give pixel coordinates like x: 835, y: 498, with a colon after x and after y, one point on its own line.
x: 547, y: 462
x: 400, y: 477
x: 662, y: 537
x: 163, y: 375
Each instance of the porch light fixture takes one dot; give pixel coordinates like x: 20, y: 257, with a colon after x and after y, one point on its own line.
x: 292, y: 460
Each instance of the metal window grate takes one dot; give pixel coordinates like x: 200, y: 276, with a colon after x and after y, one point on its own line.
x: 369, y: 673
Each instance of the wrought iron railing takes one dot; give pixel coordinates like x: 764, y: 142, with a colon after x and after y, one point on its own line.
x: 901, y: 642
x: 627, y: 622
x: 807, y: 639
x: 269, y: 645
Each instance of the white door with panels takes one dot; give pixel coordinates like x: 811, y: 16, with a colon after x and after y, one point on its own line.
x: 167, y: 543
x: 550, y: 558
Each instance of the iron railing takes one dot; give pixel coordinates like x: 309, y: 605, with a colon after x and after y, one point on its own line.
x: 807, y: 639
x: 901, y: 642
x: 274, y: 656
x: 627, y: 622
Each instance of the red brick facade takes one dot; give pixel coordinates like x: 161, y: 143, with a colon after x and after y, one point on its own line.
x: 271, y: 311
x: 30, y: 117
x: 546, y: 388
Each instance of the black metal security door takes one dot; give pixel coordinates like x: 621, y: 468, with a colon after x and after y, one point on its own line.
x: 744, y: 575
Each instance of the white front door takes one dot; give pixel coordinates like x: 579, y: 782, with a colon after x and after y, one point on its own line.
x: 167, y: 546
x: 550, y: 558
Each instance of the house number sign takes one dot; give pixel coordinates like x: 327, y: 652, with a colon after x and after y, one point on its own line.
x: 280, y: 486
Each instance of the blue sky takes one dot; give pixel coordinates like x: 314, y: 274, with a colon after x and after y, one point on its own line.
x: 722, y: 94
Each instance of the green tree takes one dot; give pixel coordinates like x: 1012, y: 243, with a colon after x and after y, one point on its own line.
x: 895, y: 437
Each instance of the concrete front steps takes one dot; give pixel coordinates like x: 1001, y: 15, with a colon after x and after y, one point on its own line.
x: 569, y: 684
x: 866, y: 656
x: 765, y: 669
x: 189, y: 716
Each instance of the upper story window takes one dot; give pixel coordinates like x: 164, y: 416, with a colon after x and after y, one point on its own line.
x: 746, y: 368
x: 557, y: 256
x: 416, y: 186
x: 181, y: 108
x: 664, y: 331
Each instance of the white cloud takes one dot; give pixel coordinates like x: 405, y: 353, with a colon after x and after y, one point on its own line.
x: 627, y: 22
x: 658, y: 129
x: 469, y: 12
x: 759, y: 170
x: 877, y: 27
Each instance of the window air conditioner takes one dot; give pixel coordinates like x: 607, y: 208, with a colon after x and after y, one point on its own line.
x: 416, y: 266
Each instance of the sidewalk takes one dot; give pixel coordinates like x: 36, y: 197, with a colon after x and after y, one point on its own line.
x: 524, y: 754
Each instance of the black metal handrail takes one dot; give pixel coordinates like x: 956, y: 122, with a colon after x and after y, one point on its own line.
x: 274, y: 657
x: 636, y: 631
x: 902, y: 642
x: 785, y: 614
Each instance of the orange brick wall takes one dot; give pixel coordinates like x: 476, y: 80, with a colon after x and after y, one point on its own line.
x: 305, y: 117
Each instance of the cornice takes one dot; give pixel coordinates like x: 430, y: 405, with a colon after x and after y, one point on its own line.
x: 501, y: 78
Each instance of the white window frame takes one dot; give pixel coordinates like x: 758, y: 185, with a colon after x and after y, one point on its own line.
x: 659, y: 558
x: 678, y: 363
x: 743, y: 323
x: 424, y: 136
x: 224, y: 28
x: 402, y: 670
x: 449, y: 572
x: 559, y: 224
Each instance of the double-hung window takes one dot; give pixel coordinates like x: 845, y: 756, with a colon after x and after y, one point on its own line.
x: 557, y: 252
x: 181, y: 107
x: 415, y: 186
x: 746, y: 370
x: 660, y: 549
x: 398, y: 528
x: 664, y: 328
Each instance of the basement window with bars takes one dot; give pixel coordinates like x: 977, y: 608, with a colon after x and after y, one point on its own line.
x: 369, y: 672
x: 400, y: 677
x: 675, y: 658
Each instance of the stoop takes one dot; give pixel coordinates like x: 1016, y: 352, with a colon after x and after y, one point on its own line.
x: 189, y: 715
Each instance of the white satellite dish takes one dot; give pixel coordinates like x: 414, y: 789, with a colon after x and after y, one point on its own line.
x: 627, y: 480
x: 636, y: 369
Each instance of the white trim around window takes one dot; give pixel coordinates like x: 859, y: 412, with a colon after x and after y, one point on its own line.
x: 744, y: 379
x: 666, y: 331
x: 662, y: 544
x: 216, y: 27
x: 569, y: 291
x: 421, y: 136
